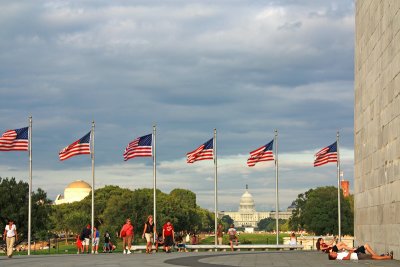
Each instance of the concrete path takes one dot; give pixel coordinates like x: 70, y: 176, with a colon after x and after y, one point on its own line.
x: 203, y: 259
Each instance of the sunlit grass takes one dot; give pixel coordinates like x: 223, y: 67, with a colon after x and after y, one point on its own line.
x: 244, y: 238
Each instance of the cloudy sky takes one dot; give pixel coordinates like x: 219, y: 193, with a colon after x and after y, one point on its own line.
x: 242, y: 67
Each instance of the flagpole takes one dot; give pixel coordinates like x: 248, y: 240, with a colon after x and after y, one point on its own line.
x: 215, y: 187
x: 154, y: 183
x: 338, y: 178
x: 276, y: 188
x: 30, y: 186
x: 93, y: 180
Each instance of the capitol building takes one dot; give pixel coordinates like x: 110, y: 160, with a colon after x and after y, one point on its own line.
x: 247, y: 216
x: 75, y: 191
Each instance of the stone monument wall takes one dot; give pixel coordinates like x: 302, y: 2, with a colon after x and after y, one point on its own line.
x: 377, y: 125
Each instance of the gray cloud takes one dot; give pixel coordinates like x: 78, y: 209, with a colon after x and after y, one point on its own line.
x: 242, y: 67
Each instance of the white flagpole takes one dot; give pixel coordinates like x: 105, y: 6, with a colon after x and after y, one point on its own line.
x: 276, y: 188
x: 93, y: 178
x: 338, y: 178
x: 154, y: 184
x: 215, y: 186
x: 30, y: 186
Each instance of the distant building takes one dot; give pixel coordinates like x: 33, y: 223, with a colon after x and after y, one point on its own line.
x: 247, y: 216
x: 75, y: 191
x: 345, y: 187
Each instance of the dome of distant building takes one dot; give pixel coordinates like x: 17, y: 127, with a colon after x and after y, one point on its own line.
x: 75, y: 191
x: 247, y: 216
x: 247, y: 203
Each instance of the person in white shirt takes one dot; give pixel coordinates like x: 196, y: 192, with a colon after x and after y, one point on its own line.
x: 359, y: 254
x: 232, y: 236
x: 10, y: 236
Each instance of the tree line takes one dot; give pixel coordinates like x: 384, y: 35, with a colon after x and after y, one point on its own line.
x: 113, y: 205
x: 315, y: 211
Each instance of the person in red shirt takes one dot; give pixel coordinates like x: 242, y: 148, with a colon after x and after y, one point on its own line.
x: 168, y: 236
x: 127, y: 235
x: 79, y: 245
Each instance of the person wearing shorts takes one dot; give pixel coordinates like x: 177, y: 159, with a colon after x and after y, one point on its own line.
x: 85, y: 237
x: 106, y: 246
x: 95, y: 241
x: 168, y: 236
x: 127, y: 235
x: 359, y: 254
x: 148, y: 232
x: 232, y: 236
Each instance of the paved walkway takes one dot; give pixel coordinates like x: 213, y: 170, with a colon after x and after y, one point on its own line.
x: 203, y: 259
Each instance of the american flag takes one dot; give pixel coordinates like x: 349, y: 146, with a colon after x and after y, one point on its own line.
x: 15, y: 140
x: 263, y: 153
x: 79, y: 147
x: 203, y: 152
x: 140, y: 147
x: 326, y: 155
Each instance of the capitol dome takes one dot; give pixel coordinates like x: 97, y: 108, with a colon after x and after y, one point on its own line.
x: 75, y: 191
x: 247, y: 203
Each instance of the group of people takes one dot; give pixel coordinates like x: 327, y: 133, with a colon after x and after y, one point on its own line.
x: 167, y: 241
x: 83, y: 241
x: 340, y: 251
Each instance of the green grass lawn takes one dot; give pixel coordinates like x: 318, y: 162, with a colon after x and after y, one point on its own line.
x: 62, y: 248
x: 249, y: 239
x: 70, y: 248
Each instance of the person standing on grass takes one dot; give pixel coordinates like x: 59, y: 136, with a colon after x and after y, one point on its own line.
x: 106, y: 246
x: 220, y: 234
x: 85, y: 237
x: 10, y: 236
x: 126, y: 234
x: 78, y: 243
x: 95, y: 241
x: 168, y: 236
x: 148, y: 232
x: 232, y: 236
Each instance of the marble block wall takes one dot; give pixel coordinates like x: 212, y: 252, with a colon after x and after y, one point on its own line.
x: 377, y: 125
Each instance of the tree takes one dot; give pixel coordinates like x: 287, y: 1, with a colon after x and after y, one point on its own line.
x: 269, y: 224
x: 317, y: 211
x: 14, y: 203
x: 226, y: 221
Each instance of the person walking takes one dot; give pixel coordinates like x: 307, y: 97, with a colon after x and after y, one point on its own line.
x: 85, y: 237
x: 232, y: 236
x: 126, y: 234
x: 95, y: 241
x: 148, y: 232
x: 10, y: 236
x: 168, y: 236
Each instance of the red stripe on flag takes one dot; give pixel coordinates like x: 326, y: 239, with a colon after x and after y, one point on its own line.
x: 200, y: 154
x: 9, y: 143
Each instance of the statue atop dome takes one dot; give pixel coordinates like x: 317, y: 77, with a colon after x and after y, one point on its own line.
x: 246, y: 202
